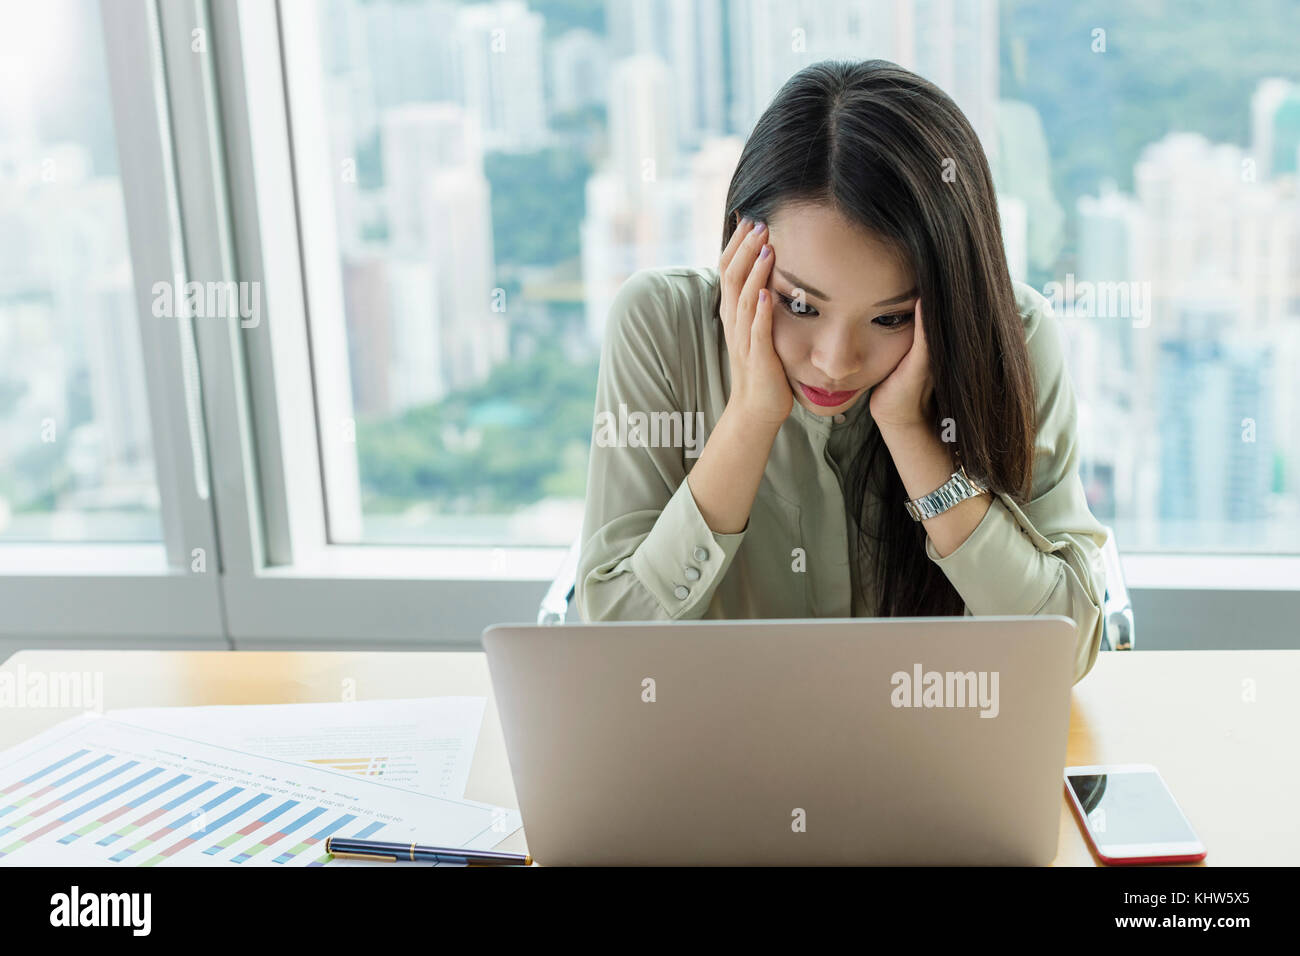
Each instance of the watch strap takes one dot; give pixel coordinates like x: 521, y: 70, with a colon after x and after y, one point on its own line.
x: 955, y: 490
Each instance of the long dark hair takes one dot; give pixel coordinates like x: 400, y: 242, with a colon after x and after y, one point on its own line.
x: 891, y: 152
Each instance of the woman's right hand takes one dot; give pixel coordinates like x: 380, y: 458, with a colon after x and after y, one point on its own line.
x: 759, y: 387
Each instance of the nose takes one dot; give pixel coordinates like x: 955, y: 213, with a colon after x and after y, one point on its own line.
x: 837, y: 356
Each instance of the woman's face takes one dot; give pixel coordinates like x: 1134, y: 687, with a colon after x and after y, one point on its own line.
x: 841, y: 307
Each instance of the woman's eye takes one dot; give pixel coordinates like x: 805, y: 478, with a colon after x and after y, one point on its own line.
x: 804, y: 310
x: 894, y: 321
x: 800, y: 311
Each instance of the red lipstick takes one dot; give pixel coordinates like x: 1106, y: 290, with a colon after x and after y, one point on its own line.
x: 828, y: 399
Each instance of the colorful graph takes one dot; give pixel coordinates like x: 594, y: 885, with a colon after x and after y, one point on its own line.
x: 99, y: 792
x: 126, y: 806
x: 188, y: 822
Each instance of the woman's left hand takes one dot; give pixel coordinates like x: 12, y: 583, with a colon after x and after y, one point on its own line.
x: 902, y: 400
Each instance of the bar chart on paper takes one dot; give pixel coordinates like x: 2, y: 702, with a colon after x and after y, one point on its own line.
x: 94, y: 791
x: 424, y: 744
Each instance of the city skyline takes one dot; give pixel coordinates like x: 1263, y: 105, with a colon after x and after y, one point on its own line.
x: 422, y: 98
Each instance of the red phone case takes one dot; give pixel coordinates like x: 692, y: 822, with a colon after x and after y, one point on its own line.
x: 1124, y: 860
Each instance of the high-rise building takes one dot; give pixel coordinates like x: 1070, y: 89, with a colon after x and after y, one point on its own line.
x: 367, y: 311
x: 1110, y: 226
x: 953, y: 43
x: 1021, y: 165
x: 1275, y: 127
x: 1208, y: 220
x: 711, y: 169
x: 440, y: 215
x: 649, y: 208
x: 687, y: 35
x: 579, y: 70
x: 474, y: 334
x: 643, y: 146
x: 418, y: 140
x: 499, y: 52
x: 406, y: 51
x: 1215, y: 428
x: 417, y: 362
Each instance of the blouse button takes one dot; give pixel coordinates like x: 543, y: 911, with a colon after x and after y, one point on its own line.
x: 701, y: 554
x: 839, y: 419
x: 681, y: 591
x: 692, y: 573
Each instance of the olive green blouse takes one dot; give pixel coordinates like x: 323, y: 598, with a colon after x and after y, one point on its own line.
x: 648, y: 554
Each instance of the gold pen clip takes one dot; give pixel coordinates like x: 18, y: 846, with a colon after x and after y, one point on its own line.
x: 382, y: 858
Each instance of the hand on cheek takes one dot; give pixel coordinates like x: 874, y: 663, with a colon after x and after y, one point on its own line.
x: 901, y: 400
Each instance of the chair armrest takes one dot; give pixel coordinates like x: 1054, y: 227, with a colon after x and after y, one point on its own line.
x: 555, y: 605
x: 1117, y: 610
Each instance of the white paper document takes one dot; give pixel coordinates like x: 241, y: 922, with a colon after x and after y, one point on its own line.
x: 424, y: 744
x: 118, y: 791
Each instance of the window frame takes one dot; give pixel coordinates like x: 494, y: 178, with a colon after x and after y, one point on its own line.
x: 302, y: 590
x: 140, y: 593
x: 241, y: 205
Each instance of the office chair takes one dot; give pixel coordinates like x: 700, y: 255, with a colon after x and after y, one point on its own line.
x: 1117, y: 634
x: 555, y: 606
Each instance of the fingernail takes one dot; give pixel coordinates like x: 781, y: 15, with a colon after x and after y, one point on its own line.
x: 760, y: 227
x: 766, y: 250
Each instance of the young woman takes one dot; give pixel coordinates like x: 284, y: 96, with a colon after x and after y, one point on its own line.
x: 859, y: 352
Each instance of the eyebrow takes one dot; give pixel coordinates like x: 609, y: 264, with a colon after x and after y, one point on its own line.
x: 799, y: 283
x: 903, y: 297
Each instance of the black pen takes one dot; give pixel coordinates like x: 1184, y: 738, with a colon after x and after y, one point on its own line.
x: 349, y: 849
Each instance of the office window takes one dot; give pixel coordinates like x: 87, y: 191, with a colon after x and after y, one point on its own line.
x: 458, y: 192
x: 76, y: 460
x: 1155, y: 176
x: 496, y: 170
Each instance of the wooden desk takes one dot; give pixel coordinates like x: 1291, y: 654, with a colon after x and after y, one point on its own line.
x: 1232, y: 763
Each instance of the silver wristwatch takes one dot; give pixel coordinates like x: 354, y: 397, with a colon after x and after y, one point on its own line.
x: 956, y: 489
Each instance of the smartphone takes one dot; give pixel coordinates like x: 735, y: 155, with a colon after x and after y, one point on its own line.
x: 1129, y: 815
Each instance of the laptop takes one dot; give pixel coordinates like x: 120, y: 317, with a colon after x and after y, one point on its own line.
x: 833, y: 741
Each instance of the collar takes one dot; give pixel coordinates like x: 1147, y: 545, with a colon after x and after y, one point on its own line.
x: 823, y: 425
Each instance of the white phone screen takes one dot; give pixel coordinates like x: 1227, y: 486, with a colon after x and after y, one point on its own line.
x: 1129, y: 807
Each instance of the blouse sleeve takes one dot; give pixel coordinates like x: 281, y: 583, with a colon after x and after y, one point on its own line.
x: 1044, y: 558
x: 647, y: 552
